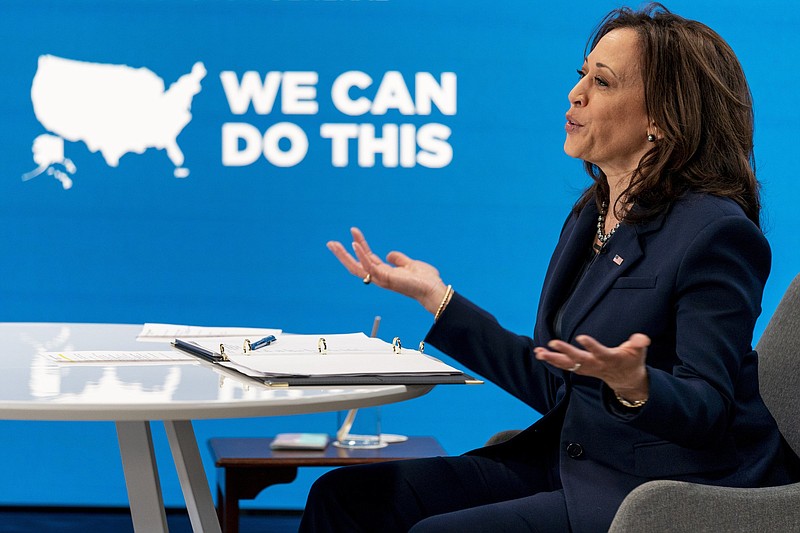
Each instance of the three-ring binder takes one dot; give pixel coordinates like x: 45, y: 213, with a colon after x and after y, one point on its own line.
x: 330, y: 360
x: 200, y: 351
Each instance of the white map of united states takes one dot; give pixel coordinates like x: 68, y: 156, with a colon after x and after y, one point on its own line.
x: 112, y: 109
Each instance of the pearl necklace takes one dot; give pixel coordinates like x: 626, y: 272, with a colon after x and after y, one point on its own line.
x: 601, y: 223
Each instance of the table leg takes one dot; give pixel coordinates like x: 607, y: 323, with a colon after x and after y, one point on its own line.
x: 192, y: 476
x: 141, y: 477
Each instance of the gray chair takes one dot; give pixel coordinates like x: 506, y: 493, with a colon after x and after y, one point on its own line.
x: 678, y: 507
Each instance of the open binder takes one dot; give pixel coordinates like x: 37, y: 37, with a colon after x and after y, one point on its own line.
x: 340, y: 359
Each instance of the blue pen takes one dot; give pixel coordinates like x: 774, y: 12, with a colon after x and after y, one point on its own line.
x: 266, y: 341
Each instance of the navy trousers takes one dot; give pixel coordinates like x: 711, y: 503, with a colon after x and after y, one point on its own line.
x: 442, y: 494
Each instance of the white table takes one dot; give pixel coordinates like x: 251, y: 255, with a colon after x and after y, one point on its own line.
x: 34, y: 387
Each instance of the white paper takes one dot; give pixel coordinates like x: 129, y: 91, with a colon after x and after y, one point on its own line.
x: 119, y: 356
x: 288, y: 344
x: 350, y: 354
x: 353, y: 364
x: 155, y: 332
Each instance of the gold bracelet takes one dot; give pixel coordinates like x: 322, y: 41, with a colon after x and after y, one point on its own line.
x: 446, y: 300
x: 630, y: 403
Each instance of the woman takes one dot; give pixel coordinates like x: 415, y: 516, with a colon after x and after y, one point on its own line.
x: 641, y: 359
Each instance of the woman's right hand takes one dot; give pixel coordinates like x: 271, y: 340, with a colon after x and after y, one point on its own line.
x: 400, y: 273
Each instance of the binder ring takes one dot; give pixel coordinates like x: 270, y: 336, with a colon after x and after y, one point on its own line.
x: 246, y: 347
x: 322, y: 346
x: 396, y: 346
x: 421, y: 346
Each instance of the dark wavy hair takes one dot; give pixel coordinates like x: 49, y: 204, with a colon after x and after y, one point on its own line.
x: 696, y: 93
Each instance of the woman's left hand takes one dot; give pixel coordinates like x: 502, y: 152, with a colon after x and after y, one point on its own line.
x: 622, y: 368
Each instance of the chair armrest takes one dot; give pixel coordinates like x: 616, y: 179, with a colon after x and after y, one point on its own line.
x: 687, y: 507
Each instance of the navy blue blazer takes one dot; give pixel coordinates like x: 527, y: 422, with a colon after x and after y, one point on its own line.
x: 692, y: 280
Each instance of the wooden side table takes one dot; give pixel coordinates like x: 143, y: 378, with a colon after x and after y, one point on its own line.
x: 246, y: 466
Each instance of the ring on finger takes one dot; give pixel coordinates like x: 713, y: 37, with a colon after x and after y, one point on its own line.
x: 367, y: 279
x: 574, y: 367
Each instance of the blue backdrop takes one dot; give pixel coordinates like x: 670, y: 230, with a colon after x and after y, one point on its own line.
x: 273, y: 128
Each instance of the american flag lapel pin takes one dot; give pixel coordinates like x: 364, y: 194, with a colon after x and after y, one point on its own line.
x: 618, y: 260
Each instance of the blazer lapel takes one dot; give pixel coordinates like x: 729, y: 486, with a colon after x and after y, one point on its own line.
x: 568, y: 256
x: 621, y: 252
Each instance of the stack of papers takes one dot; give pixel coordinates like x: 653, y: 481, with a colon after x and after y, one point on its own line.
x: 351, y: 354
x: 331, y: 359
x: 154, y: 332
x: 109, y: 356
